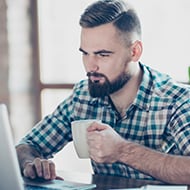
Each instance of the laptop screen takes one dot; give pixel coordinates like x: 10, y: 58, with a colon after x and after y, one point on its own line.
x: 10, y: 177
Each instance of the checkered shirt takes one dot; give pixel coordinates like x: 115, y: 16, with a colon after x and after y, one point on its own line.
x: 159, y: 118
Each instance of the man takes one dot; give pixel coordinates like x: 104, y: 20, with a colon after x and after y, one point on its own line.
x: 145, y: 130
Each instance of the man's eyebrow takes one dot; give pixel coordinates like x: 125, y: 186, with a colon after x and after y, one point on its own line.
x: 80, y: 49
x: 103, y: 51
x: 97, y: 52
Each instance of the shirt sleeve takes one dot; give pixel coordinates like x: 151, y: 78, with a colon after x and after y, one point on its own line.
x: 53, y: 132
x: 180, y: 127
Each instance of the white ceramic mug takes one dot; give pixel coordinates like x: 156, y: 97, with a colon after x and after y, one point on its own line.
x: 79, y: 131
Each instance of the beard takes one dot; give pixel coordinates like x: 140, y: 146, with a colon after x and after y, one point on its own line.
x: 98, y: 90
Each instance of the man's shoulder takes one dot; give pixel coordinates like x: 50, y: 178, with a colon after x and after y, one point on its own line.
x: 164, y: 85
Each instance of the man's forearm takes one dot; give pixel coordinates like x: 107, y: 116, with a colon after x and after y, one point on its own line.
x: 165, y: 167
x: 26, y: 154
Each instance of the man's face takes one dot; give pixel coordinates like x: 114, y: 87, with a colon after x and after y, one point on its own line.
x: 106, y: 59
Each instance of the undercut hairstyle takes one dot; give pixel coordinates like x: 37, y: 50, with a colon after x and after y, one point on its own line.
x: 117, y: 12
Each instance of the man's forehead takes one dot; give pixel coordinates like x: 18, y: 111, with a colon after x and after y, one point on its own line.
x: 99, y: 38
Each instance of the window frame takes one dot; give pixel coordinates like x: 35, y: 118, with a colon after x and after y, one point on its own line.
x: 38, y: 85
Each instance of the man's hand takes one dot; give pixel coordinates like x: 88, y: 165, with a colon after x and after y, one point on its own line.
x: 39, y: 168
x: 105, y: 145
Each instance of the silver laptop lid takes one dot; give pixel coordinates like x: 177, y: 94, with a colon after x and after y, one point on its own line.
x: 10, y: 177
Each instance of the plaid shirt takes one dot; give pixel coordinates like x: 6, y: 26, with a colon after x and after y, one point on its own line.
x: 159, y: 118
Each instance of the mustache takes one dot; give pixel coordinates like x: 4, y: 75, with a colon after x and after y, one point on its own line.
x: 94, y: 74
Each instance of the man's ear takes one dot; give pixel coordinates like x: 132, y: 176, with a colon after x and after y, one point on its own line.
x: 136, y: 50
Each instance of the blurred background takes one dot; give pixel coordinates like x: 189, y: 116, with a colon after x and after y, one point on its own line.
x: 40, y: 61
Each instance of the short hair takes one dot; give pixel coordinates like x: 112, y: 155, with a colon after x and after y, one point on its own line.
x: 118, y: 12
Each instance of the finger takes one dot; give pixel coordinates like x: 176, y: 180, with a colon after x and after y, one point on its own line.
x: 92, y: 135
x: 46, y: 169
x: 96, y: 136
x: 29, y: 171
x: 96, y: 127
x: 52, y: 170
x: 38, y: 167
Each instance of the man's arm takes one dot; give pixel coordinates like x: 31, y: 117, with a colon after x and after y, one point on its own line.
x: 33, y: 165
x: 169, y: 168
x: 106, y: 146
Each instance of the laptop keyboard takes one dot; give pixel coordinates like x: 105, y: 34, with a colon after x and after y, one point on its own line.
x: 58, y: 185
x: 31, y: 187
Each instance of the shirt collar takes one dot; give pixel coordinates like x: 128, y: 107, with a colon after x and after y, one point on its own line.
x: 101, y: 101
x: 144, y: 92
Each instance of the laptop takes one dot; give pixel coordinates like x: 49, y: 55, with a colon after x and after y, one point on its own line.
x: 10, y: 176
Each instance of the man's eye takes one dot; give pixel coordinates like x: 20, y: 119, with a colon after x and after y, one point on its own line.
x: 103, y: 55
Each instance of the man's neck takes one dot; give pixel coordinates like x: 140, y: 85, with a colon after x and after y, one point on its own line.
x: 123, y: 98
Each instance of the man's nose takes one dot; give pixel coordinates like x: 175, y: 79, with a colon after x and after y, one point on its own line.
x: 92, y: 64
